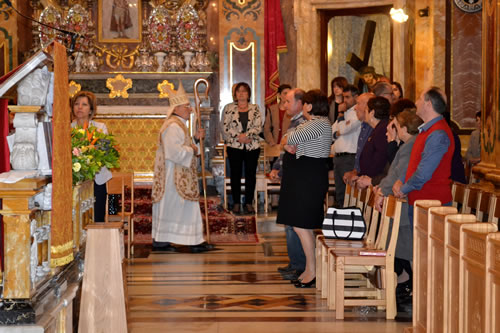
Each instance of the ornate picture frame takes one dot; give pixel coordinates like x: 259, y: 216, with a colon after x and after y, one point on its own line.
x: 119, y: 21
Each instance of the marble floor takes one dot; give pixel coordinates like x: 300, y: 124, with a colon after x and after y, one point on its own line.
x: 234, y: 289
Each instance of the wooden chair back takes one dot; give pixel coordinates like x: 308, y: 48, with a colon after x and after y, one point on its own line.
x: 420, y: 235
x: 116, y: 186
x: 472, y: 302
x: 348, y: 192
x: 494, y: 211
x: 354, y: 196
x: 270, y: 152
x: 453, y: 223
x: 474, y: 195
x: 492, y: 282
x: 459, y: 194
x: 372, y: 217
x: 436, y: 283
x: 483, y: 209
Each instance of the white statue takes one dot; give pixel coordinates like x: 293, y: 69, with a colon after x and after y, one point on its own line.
x: 24, y: 156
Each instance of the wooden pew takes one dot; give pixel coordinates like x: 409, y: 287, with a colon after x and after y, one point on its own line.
x: 492, y: 282
x: 437, y: 284
x: 472, y: 302
x: 420, y: 261
x: 453, y: 223
x: 494, y: 212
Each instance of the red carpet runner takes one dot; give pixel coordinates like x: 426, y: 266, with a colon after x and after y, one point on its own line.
x: 225, y: 227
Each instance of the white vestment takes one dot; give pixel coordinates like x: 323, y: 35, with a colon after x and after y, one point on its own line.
x: 176, y: 219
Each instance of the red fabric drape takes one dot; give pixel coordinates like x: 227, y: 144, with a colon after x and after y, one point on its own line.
x: 4, y: 131
x: 274, y: 44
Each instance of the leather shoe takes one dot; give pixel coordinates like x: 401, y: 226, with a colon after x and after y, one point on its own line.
x: 203, y: 247
x: 310, y: 284
x: 165, y: 248
x: 285, y: 269
x: 293, y: 275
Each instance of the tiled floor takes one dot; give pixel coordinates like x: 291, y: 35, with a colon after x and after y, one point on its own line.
x: 234, y: 289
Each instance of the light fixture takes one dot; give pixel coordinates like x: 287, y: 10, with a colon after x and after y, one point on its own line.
x: 398, y: 15
x: 423, y: 12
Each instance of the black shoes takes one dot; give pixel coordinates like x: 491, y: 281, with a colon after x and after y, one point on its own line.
x: 310, y: 284
x: 249, y: 209
x: 236, y: 209
x: 203, y: 247
x: 164, y: 248
x: 285, y: 269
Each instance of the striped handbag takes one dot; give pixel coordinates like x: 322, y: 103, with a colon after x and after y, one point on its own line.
x: 344, y: 223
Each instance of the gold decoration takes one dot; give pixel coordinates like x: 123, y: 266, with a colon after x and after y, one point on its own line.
x: 118, y: 86
x: 74, y: 88
x: 118, y: 56
x: 164, y: 87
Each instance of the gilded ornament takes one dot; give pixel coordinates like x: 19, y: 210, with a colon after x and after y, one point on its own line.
x: 187, y: 28
x: 118, y: 56
x: 52, y: 17
x: 164, y: 87
x: 118, y: 86
x: 74, y: 88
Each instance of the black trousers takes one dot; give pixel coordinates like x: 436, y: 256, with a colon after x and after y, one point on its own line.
x: 238, y: 158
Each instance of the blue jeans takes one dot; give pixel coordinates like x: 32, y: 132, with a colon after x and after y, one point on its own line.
x: 295, y: 251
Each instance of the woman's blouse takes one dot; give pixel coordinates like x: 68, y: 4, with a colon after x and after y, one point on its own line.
x: 313, y: 138
x: 232, y: 126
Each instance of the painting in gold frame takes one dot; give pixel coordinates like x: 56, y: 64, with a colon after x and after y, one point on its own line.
x: 119, y: 21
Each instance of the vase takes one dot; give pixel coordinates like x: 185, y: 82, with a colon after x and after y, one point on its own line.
x: 188, y: 55
x: 160, y: 56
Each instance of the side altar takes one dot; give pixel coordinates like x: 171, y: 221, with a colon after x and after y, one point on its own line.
x: 43, y: 230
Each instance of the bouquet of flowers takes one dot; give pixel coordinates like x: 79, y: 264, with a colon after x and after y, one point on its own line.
x: 92, y: 150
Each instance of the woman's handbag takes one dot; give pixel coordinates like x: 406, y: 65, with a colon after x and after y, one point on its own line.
x: 344, y: 223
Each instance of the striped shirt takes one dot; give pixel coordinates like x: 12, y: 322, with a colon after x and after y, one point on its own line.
x: 313, y: 138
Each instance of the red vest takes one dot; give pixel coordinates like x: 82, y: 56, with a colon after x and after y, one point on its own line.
x: 439, y: 186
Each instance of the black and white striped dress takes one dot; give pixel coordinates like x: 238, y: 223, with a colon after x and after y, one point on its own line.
x: 305, y: 175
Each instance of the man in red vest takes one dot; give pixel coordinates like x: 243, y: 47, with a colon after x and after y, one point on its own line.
x: 429, y: 169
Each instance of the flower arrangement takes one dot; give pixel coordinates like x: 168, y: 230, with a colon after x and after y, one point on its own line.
x: 91, y: 150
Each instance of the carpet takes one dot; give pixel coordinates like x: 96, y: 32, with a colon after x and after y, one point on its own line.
x: 224, y: 226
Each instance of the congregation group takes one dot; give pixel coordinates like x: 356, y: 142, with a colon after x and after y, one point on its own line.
x: 377, y: 138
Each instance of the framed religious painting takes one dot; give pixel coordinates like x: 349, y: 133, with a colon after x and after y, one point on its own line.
x: 119, y: 21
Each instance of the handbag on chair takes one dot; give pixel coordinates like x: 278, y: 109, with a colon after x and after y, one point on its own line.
x: 344, y: 223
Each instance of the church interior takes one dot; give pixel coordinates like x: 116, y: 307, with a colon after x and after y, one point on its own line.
x: 63, y: 270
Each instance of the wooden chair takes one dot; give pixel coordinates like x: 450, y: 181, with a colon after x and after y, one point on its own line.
x: 484, y: 205
x: 270, y: 185
x: 343, y: 259
x: 453, y: 223
x: 492, y: 282
x: 494, y: 211
x: 347, y: 197
x: 460, y: 194
x: 323, y: 245
x: 472, y: 302
x: 116, y: 186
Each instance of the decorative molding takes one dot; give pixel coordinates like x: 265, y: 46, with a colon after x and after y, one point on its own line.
x: 74, y: 88
x: 237, y: 8
x: 118, y: 86
x: 163, y: 88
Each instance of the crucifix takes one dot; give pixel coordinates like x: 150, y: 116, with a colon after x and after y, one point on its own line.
x: 366, y: 46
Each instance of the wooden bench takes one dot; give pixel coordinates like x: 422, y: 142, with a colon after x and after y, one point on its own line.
x: 453, y: 223
x: 472, y: 302
x: 420, y: 261
x: 492, y: 282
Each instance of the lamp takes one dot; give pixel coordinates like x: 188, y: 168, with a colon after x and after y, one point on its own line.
x: 398, y: 15
x: 423, y: 12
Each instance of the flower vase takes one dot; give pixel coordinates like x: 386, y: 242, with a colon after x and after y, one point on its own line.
x: 188, y: 55
x: 160, y: 56
x: 78, y: 61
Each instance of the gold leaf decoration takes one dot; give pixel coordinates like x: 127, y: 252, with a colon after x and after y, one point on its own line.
x: 74, y: 88
x: 162, y: 88
x: 118, y: 86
